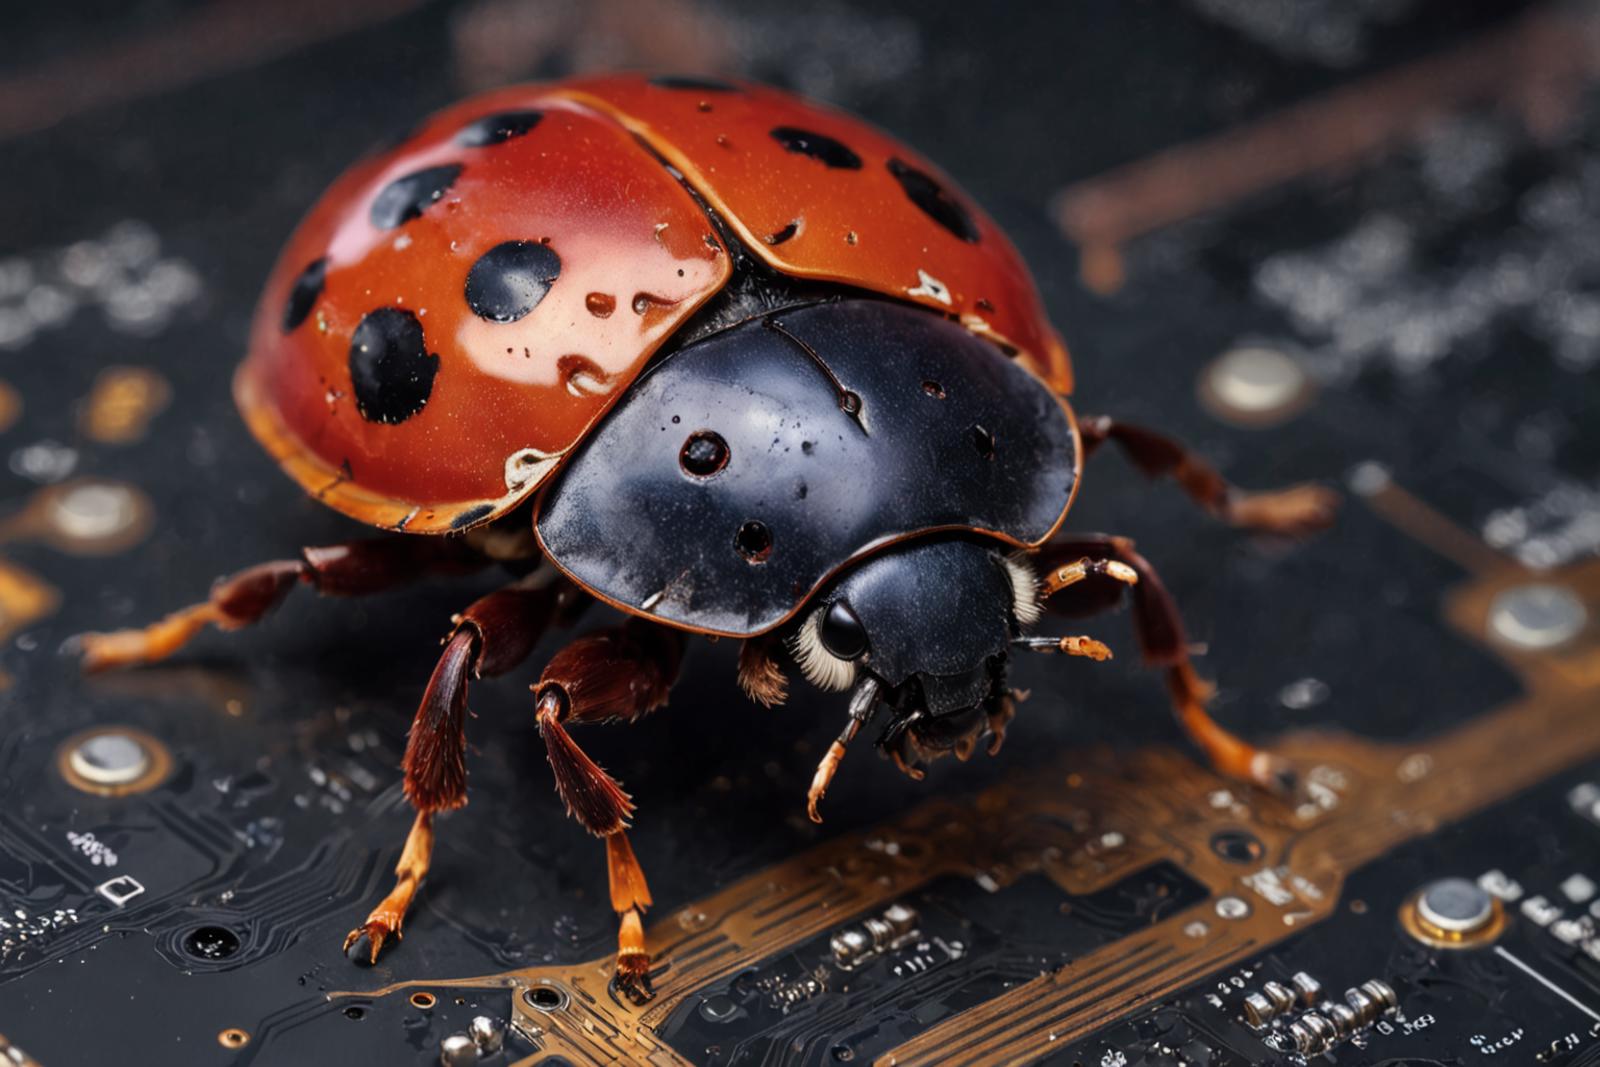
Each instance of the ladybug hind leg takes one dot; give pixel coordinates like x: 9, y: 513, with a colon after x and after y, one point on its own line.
x: 1295, y: 511
x: 614, y: 675
x: 491, y: 637
x: 355, y: 568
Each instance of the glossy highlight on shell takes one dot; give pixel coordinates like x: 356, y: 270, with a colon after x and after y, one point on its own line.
x: 466, y: 285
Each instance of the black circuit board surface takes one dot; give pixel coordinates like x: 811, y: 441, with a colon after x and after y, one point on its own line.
x: 1528, y: 999
x: 969, y: 943
x: 1442, y: 289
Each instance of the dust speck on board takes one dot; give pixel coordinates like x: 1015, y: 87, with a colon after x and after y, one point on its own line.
x: 121, y: 272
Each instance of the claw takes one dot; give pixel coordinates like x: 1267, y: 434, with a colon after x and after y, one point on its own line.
x: 821, y: 780
x: 1087, y: 647
x: 375, y: 931
x: 633, y: 977
x: 910, y: 770
x: 107, y: 651
x: 966, y: 746
x: 157, y: 641
x: 1000, y: 717
x: 1292, y: 512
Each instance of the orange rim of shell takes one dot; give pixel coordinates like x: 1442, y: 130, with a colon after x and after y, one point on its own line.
x: 333, y: 487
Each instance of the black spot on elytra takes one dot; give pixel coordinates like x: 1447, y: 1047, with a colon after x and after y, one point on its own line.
x: 470, y: 516
x: 692, y: 81
x: 390, y: 366
x: 510, y: 279
x: 703, y: 454
x: 820, y: 147
x: 753, y: 539
x: 498, y: 128
x: 408, y: 196
x: 303, y: 294
x: 934, y: 200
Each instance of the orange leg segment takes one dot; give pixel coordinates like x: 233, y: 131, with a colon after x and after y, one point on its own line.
x: 630, y: 896
x: 620, y: 674
x: 1100, y: 567
x: 491, y: 637
x: 1295, y: 511
x: 356, y: 568
x: 390, y: 913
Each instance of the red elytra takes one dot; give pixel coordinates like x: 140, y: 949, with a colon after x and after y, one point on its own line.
x: 380, y: 388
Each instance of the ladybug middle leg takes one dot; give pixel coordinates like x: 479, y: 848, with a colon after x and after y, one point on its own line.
x: 491, y: 637
x: 354, y: 568
x: 614, y: 675
x: 1299, y: 509
x: 1086, y: 574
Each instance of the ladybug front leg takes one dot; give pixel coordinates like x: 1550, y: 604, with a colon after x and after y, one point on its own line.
x: 355, y: 568
x: 619, y: 674
x: 1088, y: 573
x: 1294, y: 511
x: 491, y: 637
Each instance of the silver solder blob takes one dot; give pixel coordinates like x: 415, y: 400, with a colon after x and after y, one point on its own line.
x: 110, y: 758
x: 1455, y: 905
x: 458, y: 1050
x: 1536, y: 616
x: 1254, y: 384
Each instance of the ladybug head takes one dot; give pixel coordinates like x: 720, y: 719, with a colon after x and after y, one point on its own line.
x: 923, y: 630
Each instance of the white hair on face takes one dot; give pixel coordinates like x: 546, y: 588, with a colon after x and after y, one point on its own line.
x: 822, y: 668
x: 1024, y: 590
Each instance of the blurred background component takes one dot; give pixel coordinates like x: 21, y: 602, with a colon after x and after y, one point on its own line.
x: 1355, y: 241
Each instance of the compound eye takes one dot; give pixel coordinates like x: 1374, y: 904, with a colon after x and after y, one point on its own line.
x: 842, y: 632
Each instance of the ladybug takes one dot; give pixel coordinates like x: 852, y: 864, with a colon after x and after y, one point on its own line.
x: 733, y: 363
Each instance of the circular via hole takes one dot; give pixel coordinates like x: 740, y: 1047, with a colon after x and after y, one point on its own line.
x: 233, y: 1037
x: 1255, y: 386
x: 1233, y: 908
x: 423, y: 999
x: 97, y: 516
x: 933, y: 389
x: 1455, y: 905
x: 754, y: 541
x: 211, y: 943
x: 983, y: 441
x: 1237, y: 846
x: 1536, y: 616
x: 356, y: 1012
x: 718, y: 1008
x: 110, y: 758
x: 1453, y: 913
x: 113, y: 761
x: 703, y: 454
x: 545, y: 998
